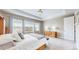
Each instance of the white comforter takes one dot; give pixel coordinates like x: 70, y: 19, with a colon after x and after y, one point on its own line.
x: 29, y: 43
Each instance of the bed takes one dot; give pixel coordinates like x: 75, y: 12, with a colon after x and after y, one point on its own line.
x: 30, y: 43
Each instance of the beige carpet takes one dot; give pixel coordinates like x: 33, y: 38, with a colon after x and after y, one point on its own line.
x: 59, y: 44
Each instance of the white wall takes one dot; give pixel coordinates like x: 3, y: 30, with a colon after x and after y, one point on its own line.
x: 69, y: 28
x: 52, y: 23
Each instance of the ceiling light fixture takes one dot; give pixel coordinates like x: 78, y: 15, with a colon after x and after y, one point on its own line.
x: 40, y: 11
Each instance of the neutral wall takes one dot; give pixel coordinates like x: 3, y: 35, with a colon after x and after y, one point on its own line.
x: 69, y: 28
x: 56, y: 22
x: 7, y: 17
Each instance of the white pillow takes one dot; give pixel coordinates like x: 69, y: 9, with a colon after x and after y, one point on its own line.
x: 16, y: 36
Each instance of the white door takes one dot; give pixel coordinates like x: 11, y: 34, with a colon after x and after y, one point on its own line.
x: 69, y: 28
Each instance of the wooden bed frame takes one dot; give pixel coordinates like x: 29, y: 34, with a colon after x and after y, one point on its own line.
x: 42, y: 47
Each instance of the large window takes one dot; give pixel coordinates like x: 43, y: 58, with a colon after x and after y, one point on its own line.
x: 25, y: 26
x: 17, y: 25
x: 28, y: 27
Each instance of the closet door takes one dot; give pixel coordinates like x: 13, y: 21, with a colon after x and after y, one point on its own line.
x: 1, y: 25
x: 69, y: 28
x: 77, y: 32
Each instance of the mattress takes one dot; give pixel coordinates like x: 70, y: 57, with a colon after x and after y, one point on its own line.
x: 29, y: 43
x: 38, y: 36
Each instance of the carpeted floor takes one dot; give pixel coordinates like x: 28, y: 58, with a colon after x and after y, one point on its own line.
x: 59, y: 44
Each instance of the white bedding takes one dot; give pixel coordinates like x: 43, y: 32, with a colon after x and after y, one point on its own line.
x: 38, y: 36
x: 29, y: 43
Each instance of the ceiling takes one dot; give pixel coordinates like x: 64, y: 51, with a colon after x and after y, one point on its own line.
x: 47, y: 13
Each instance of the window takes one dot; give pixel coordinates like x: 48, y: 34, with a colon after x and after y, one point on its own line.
x: 37, y: 28
x: 28, y: 27
x: 17, y: 25
x: 25, y: 26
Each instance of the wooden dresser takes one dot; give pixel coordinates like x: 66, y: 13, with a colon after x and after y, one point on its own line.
x: 2, y: 28
x: 50, y: 34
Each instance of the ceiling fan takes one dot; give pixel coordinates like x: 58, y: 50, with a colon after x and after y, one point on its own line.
x: 40, y: 11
